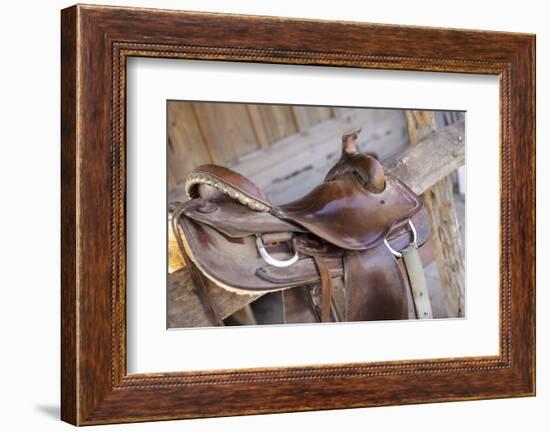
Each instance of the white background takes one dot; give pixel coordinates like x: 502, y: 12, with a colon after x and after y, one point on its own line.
x: 153, y: 349
x: 29, y: 169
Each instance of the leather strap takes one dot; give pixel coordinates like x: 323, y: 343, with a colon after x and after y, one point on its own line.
x: 326, y: 288
x: 196, y: 276
x: 375, y: 288
x: 417, y: 282
x: 304, y: 271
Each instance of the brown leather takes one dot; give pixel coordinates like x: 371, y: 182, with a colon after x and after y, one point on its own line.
x: 236, y: 220
x: 302, y: 272
x: 233, y: 179
x: 375, y: 289
x: 365, y: 168
x: 196, y: 276
x: 347, y: 215
x: 326, y: 287
x: 229, y: 262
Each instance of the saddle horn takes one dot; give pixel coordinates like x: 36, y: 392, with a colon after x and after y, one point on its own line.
x: 349, y: 141
x: 366, y: 168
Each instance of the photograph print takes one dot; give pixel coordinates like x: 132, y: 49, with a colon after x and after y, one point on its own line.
x: 286, y: 214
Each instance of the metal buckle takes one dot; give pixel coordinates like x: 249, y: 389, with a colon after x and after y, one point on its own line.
x: 271, y: 260
x: 413, y: 242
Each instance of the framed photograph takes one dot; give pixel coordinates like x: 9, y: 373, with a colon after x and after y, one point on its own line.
x: 265, y: 215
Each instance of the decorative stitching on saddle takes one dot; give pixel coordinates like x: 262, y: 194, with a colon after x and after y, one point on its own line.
x: 318, y: 371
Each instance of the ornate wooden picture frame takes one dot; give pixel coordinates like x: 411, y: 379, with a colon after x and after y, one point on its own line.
x: 96, y: 41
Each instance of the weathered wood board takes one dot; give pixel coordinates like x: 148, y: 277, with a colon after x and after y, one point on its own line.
x: 222, y: 133
x: 185, y: 308
x: 439, y: 202
x: 184, y: 128
x: 435, y: 157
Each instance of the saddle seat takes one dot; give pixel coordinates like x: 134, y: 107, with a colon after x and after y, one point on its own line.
x: 346, y: 214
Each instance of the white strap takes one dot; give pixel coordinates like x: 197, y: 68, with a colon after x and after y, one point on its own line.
x: 417, y: 281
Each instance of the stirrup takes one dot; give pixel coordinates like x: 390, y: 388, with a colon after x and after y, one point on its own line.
x: 271, y: 260
x: 413, y: 242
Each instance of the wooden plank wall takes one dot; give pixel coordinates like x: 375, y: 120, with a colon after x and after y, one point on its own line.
x: 222, y: 133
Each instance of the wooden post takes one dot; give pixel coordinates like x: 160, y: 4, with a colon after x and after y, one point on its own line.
x: 439, y: 202
x: 184, y: 306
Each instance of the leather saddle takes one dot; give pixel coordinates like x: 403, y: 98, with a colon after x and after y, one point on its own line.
x: 351, y: 227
